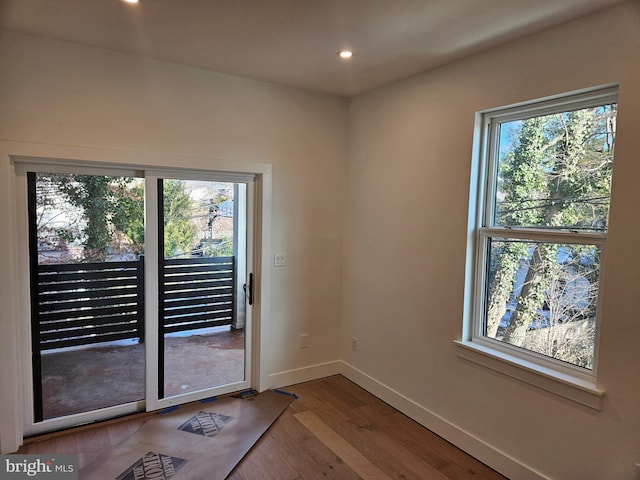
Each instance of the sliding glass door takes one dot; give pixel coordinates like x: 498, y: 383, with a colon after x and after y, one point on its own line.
x: 87, y: 305
x: 201, y: 340
x: 137, y: 298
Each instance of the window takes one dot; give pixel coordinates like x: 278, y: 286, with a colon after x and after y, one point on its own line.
x: 541, y: 229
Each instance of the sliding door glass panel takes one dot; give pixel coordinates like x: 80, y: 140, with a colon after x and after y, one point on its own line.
x: 201, y: 345
x: 86, y: 238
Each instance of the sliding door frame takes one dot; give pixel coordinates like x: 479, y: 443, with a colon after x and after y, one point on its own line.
x: 154, y: 352
x: 16, y: 349
x: 29, y: 389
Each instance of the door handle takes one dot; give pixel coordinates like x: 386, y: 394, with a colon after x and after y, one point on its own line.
x: 248, y: 289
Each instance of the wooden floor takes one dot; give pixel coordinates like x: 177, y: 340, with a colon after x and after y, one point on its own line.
x: 334, y: 430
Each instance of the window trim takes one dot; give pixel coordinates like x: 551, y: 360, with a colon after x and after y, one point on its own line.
x: 552, y: 375
x: 550, y: 380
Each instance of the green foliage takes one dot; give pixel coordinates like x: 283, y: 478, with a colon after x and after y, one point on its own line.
x: 107, y: 214
x: 506, y: 257
x: 225, y: 248
x: 98, y: 198
x: 128, y: 215
x: 555, y: 174
x: 220, y: 198
x: 523, y: 176
x: 558, y: 172
x: 542, y: 267
x: 179, y: 231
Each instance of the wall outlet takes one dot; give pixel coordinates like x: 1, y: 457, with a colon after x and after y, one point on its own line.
x: 304, y: 340
x: 354, y: 344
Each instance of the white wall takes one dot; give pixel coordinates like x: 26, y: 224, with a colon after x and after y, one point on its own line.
x: 392, y: 265
x: 404, y: 255
x: 65, y: 100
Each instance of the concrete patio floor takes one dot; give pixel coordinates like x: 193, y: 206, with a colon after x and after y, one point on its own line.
x: 102, y: 375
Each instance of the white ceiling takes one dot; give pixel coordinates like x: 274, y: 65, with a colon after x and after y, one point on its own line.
x: 294, y: 42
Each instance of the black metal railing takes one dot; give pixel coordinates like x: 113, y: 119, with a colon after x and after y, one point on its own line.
x: 197, y: 293
x: 86, y: 303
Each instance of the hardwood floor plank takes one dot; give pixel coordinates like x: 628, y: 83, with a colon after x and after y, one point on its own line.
x: 431, y: 448
x: 306, y: 453
x: 335, y: 430
x: 456, y: 471
x: 341, y: 447
x: 402, y: 455
x: 363, y: 433
x: 321, y: 397
x: 408, y: 434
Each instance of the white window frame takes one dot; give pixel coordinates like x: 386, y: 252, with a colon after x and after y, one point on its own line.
x: 569, y: 381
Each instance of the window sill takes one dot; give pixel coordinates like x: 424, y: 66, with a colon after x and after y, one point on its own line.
x: 569, y: 387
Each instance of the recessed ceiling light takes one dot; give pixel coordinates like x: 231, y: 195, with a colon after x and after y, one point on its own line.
x: 345, y: 54
x: 131, y: 1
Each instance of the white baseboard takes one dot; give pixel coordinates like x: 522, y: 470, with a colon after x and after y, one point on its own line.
x: 304, y: 374
x: 474, y: 446
x: 464, y: 440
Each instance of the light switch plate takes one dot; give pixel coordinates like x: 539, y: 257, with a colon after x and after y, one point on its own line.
x: 279, y: 260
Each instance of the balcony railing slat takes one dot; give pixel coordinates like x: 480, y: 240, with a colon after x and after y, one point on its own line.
x: 218, y: 292
x: 196, y: 325
x: 216, y: 302
x: 67, y: 324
